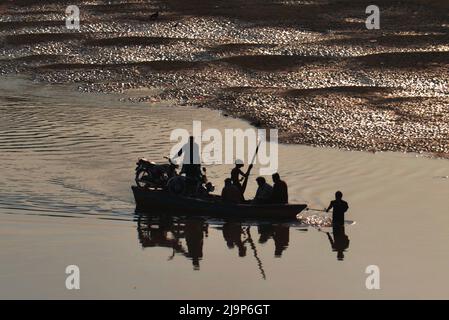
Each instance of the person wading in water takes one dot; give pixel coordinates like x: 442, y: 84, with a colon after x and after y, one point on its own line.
x: 339, y: 207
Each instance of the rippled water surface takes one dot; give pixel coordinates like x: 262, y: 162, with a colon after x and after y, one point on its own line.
x: 67, y: 164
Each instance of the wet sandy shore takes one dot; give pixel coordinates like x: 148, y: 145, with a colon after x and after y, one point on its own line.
x: 309, y: 68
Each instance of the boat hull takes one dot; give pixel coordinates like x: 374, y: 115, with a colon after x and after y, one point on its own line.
x: 162, y: 202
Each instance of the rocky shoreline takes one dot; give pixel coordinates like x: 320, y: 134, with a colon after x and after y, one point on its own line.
x: 308, y: 68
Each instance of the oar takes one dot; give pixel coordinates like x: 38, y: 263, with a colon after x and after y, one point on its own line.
x: 311, y: 209
x: 245, y: 182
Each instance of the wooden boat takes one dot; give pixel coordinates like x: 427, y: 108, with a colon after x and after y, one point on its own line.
x: 159, y: 201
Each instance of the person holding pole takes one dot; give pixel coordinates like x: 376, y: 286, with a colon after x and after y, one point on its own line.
x: 236, y: 173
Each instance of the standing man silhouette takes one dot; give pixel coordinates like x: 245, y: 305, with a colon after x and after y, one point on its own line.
x: 191, y: 164
x: 339, y: 207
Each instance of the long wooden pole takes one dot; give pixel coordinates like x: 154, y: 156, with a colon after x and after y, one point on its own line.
x: 245, y: 182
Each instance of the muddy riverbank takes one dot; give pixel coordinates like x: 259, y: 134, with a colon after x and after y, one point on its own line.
x: 309, y: 68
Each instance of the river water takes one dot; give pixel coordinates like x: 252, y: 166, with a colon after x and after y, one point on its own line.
x: 67, y: 165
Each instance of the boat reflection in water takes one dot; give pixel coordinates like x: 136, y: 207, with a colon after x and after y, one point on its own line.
x: 237, y: 235
x: 168, y: 232
x: 280, y: 235
x: 185, y: 236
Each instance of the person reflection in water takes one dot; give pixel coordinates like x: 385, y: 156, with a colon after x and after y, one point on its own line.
x: 232, y: 234
x: 340, y: 242
x: 280, y: 235
x: 168, y: 234
x: 281, y: 239
x: 194, y: 234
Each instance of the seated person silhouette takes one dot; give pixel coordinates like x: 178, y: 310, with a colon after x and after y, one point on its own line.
x: 236, y: 173
x: 280, y: 190
x: 230, y: 192
x: 264, y: 192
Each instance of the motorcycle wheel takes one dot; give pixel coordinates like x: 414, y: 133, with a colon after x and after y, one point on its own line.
x: 143, y: 178
x: 177, y: 185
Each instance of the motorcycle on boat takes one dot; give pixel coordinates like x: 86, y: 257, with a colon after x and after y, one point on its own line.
x: 165, y: 177
x: 152, y: 175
